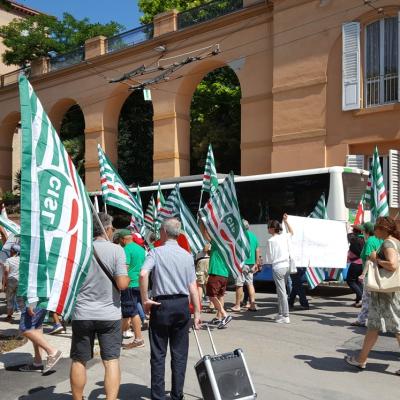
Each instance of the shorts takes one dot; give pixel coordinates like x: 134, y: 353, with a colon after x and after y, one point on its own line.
x: 202, y: 271
x: 129, y: 302
x: 246, y: 278
x: 83, y: 334
x: 216, y: 286
x: 28, y: 322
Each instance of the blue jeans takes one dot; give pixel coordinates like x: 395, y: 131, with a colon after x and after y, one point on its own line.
x: 298, y: 288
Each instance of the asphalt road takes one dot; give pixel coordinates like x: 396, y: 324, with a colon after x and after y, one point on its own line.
x: 303, y: 360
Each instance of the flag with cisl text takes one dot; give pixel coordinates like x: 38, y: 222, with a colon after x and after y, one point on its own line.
x: 56, y: 217
x: 116, y: 193
x: 221, y: 218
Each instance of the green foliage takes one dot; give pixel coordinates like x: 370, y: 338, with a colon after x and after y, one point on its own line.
x: 17, y: 186
x: 215, y: 119
x: 135, y: 140
x: 33, y: 37
x: 72, y: 134
x: 150, y: 8
x: 8, y: 195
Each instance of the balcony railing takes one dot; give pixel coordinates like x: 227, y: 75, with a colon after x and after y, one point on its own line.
x: 207, y: 12
x: 380, y: 90
x: 130, y: 38
x: 11, y: 77
x: 67, y: 59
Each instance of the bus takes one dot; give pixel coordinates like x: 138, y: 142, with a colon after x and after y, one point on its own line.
x: 269, y: 196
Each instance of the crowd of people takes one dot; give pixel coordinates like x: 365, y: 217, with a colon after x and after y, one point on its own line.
x: 133, y: 285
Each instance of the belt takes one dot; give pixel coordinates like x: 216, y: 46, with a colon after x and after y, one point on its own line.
x: 170, y: 297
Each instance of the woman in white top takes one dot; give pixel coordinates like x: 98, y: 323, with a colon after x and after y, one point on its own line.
x: 278, y: 256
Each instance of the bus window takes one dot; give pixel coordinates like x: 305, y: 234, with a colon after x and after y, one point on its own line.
x: 354, y: 186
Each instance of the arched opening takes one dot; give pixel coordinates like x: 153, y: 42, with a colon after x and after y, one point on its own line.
x: 135, y: 140
x: 215, y: 117
x: 72, y: 134
x: 16, y: 160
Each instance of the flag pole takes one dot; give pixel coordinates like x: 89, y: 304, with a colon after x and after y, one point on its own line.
x: 98, y: 220
x: 201, y: 199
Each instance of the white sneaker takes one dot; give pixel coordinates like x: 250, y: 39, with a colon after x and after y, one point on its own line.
x: 283, y: 320
x: 278, y: 317
x: 128, y: 335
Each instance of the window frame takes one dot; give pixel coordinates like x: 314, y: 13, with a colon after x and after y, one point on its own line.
x: 381, y: 62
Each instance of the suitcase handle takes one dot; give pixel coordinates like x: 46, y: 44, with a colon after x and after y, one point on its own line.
x: 198, y: 342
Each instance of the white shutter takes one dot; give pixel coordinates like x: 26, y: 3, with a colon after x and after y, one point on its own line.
x: 355, y: 161
x: 351, y: 84
x: 394, y: 178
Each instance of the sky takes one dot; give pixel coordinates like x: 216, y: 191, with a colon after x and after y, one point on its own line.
x: 125, y: 12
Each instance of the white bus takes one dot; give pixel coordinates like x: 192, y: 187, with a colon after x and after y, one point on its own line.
x: 269, y: 196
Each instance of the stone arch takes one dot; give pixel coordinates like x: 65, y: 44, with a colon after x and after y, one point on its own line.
x: 9, y: 127
x: 58, y: 110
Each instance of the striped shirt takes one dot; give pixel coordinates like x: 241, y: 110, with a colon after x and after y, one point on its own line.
x: 172, y: 269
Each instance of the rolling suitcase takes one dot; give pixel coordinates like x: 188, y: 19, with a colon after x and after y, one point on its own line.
x: 223, y: 376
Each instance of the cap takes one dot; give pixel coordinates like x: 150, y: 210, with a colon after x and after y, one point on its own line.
x: 123, y: 232
x: 368, y: 227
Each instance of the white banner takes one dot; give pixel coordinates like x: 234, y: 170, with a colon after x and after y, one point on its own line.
x: 319, y: 242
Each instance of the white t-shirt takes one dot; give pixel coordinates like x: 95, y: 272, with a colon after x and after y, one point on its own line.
x: 278, y: 251
x: 12, y: 265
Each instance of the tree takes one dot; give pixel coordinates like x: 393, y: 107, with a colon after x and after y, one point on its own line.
x: 151, y: 8
x: 215, y: 119
x: 33, y: 37
x: 135, y: 140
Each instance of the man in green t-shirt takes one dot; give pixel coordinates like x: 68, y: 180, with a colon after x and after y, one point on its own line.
x: 218, y: 274
x: 135, y: 256
x: 251, y: 265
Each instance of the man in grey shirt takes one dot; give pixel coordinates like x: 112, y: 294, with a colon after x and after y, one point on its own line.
x: 174, y: 280
x: 98, y: 312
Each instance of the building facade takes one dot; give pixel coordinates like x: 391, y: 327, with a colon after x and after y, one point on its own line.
x: 319, y: 82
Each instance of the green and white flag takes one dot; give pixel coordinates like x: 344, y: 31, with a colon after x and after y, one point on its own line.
x: 139, y: 220
x: 221, y: 218
x: 56, y: 217
x: 210, y: 180
x: 176, y: 207
x: 375, y: 195
x: 320, y: 209
x: 150, y: 216
x: 115, y: 192
x: 7, y: 224
x: 160, y: 198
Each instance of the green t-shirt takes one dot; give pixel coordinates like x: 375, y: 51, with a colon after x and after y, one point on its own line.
x: 135, y: 256
x: 253, y: 247
x: 371, y: 245
x: 217, y: 263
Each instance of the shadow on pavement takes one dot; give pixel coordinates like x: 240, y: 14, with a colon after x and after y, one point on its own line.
x: 334, y: 364
x: 45, y: 393
x: 126, y: 391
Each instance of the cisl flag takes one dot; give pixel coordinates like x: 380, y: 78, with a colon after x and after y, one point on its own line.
x: 56, y: 219
x: 221, y: 218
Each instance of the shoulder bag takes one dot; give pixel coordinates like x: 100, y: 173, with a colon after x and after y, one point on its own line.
x: 105, y: 269
x: 380, y: 279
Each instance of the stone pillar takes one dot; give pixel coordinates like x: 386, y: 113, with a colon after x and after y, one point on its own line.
x: 165, y: 22
x: 95, y: 47
x: 96, y: 132
x: 5, y: 168
x: 40, y: 66
x: 171, y: 155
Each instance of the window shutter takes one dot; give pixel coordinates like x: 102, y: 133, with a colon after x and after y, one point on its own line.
x: 394, y: 178
x: 351, y: 66
x: 355, y: 161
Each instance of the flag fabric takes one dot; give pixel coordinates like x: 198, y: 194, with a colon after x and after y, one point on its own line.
x: 315, y: 276
x: 320, y: 209
x: 115, y: 192
x: 160, y: 198
x: 210, y: 180
x: 360, y: 213
x: 176, y: 207
x: 222, y: 220
x: 137, y: 221
x: 56, y: 217
x: 7, y: 224
x: 150, y: 216
x: 375, y: 195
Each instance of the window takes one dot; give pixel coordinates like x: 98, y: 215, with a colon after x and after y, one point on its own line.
x: 381, y: 62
